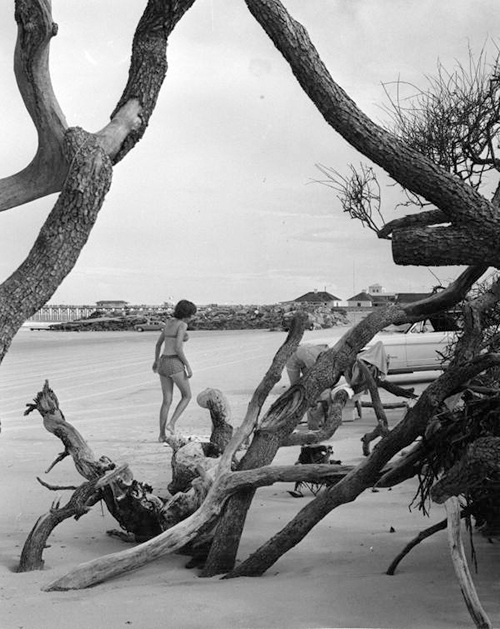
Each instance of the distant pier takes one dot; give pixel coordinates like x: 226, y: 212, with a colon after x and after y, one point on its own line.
x: 64, y: 312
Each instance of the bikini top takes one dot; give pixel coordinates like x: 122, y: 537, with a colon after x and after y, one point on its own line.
x: 173, y: 336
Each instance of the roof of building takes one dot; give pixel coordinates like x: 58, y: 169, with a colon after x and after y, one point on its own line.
x: 317, y: 297
x: 363, y: 296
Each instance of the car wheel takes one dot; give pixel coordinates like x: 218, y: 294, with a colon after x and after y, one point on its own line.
x: 140, y: 329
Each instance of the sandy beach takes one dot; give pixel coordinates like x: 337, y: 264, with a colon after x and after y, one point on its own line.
x: 334, y: 578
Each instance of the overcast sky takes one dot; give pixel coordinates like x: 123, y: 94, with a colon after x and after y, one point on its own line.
x: 218, y: 203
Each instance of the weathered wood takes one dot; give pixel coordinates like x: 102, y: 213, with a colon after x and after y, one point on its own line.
x: 186, y: 463
x: 366, y: 473
x: 46, y: 172
x: 461, y: 568
x: 387, y: 405
x: 395, y: 389
x: 332, y: 410
x: 183, y: 533
x: 404, y: 468
x: 229, y: 529
x: 80, y: 502
x: 131, y: 503
x: 431, y: 530
x: 281, y: 421
x: 220, y: 414
x: 286, y: 412
x: 382, y: 427
x: 47, y: 404
x: 194, y: 525
x: 188, y: 455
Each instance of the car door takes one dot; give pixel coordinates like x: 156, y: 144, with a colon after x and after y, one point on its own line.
x: 423, y: 346
x: 395, y: 348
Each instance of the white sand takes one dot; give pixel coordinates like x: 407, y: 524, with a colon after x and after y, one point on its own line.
x: 334, y: 578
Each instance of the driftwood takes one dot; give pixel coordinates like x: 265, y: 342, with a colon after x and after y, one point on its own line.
x: 382, y: 427
x: 406, y: 467
x: 116, y: 489
x: 131, y: 503
x: 220, y: 414
x: 366, y: 473
x: 180, y: 507
x: 140, y: 513
x: 428, y: 532
x: 276, y: 426
x: 462, y: 369
x: 462, y: 571
x: 80, y: 502
x: 188, y: 454
x: 205, y: 517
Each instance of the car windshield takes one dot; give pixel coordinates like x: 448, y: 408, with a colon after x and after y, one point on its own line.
x: 398, y: 329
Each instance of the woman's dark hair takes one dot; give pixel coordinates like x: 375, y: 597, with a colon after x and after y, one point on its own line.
x: 184, y: 309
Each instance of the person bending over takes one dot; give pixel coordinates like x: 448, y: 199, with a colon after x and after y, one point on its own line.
x: 303, y: 359
x: 172, y: 365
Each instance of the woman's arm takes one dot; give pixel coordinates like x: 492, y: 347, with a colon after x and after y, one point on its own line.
x: 179, y: 347
x: 158, y: 345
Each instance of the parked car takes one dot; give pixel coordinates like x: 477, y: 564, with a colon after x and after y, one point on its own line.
x: 416, y: 346
x: 149, y: 326
x: 419, y: 346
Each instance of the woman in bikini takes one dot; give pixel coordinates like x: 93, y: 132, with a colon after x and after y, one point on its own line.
x: 172, y: 366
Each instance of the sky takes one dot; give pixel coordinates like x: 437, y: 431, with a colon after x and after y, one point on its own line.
x: 221, y: 201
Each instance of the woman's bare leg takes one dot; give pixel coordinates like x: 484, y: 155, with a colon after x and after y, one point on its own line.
x: 167, y: 388
x: 182, y: 382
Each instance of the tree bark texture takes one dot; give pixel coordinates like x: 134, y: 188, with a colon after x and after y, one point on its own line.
x: 445, y: 246
x: 61, y: 238
x: 148, y: 65
x: 46, y: 172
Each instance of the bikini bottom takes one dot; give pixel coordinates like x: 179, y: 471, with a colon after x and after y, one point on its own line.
x: 170, y: 365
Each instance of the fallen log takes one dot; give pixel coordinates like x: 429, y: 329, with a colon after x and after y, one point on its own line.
x: 184, y: 532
